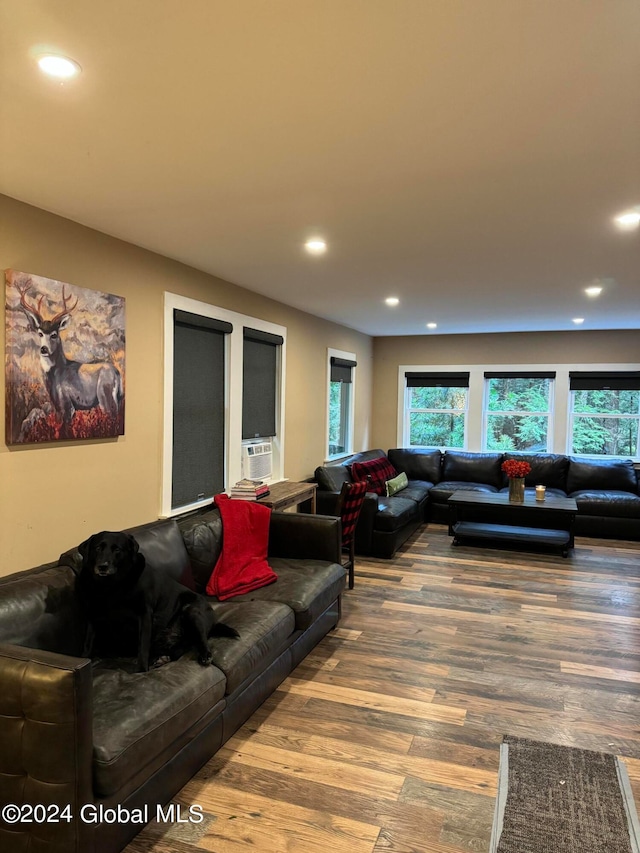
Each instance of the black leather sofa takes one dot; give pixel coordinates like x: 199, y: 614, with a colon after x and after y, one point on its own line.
x: 385, y: 523
x: 99, y: 734
x: 606, y: 491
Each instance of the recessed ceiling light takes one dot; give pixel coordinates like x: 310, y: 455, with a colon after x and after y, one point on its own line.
x: 316, y: 246
x: 578, y: 320
x: 628, y: 220
x: 432, y: 325
x: 392, y: 301
x: 593, y: 290
x: 60, y: 67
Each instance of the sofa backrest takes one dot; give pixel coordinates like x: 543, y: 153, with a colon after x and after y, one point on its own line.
x: 458, y: 465
x: 547, y: 469
x: 332, y: 477
x: 202, y: 537
x: 422, y: 463
x: 607, y: 474
x: 162, y: 546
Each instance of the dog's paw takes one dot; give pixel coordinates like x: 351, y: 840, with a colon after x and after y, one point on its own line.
x: 160, y: 661
x: 205, y: 660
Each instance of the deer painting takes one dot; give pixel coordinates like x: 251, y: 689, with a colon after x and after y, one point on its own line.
x: 72, y: 385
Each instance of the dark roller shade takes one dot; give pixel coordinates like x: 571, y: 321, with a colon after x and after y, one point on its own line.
x: 197, y: 321
x: 259, y: 383
x: 341, y: 369
x: 523, y: 374
x: 198, y: 410
x: 622, y: 380
x: 437, y: 380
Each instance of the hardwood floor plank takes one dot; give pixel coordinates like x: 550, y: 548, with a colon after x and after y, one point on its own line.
x: 343, y: 775
x: 603, y: 672
x: 376, y: 701
x: 270, y: 825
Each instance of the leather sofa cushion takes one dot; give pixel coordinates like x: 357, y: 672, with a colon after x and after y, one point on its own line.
x: 608, y: 503
x: 607, y: 474
x: 264, y: 627
x: 164, y: 550
x: 331, y: 478
x: 547, y: 469
x: 136, y: 715
x: 202, y: 536
x: 418, y: 464
x: 417, y: 490
x: 394, y: 513
x: 461, y: 466
x: 441, y: 492
x: 308, y: 587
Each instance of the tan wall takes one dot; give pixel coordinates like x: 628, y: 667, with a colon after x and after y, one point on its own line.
x: 579, y: 347
x: 53, y: 496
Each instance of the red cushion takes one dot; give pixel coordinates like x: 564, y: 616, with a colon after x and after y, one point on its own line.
x: 376, y: 471
x: 242, y: 565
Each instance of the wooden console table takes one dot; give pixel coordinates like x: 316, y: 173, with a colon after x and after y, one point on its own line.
x: 288, y: 493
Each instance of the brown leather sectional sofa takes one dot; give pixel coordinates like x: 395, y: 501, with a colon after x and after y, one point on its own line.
x: 606, y: 491
x: 100, y: 735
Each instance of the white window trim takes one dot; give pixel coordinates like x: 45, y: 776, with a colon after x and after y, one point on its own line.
x: 348, y: 356
x: 560, y: 436
x: 550, y: 415
x: 234, y: 353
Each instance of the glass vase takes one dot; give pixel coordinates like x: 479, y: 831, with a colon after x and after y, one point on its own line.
x: 516, y: 489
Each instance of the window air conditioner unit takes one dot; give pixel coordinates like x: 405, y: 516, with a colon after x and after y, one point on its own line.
x: 256, y: 461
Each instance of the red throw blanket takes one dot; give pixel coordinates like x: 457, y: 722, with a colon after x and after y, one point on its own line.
x: 242, y: 565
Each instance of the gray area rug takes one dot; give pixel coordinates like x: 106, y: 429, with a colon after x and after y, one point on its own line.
x: 558, y: 799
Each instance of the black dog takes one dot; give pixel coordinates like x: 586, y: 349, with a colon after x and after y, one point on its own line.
x: 133, y: 611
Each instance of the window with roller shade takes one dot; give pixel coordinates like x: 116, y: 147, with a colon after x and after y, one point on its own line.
x: 436, y: 406
x: 604, y: 413
x: 518, y: 410
x: 198, y: 462
x: 210, y: 394
x: 260, y: 383
x: 341, y: 398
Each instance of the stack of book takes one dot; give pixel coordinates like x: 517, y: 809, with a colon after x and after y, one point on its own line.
x: 249, y: 490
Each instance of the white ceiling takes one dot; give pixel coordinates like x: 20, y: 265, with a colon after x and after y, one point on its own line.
x: 466, y: 156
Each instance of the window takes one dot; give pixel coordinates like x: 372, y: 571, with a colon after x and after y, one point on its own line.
x: 198, y: 408
x: 605, y: 413
x: 517, y: 413
x: 260, y: 372
x: 341, y: 402
x: 224, y: 381
x: 436, y: 409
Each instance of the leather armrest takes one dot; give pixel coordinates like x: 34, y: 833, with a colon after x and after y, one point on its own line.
x: 45, y: 745
x: 299, y: 535
x: 327, y: 502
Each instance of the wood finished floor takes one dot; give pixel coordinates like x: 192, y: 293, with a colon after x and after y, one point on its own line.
x: 386, y: 737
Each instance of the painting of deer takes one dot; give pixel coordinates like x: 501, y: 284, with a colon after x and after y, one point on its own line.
x: 65, y: 361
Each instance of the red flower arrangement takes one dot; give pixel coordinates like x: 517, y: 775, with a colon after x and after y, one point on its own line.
x: 515, y: 468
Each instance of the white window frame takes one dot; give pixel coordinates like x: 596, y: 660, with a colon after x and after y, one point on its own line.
x: 234, y: 352
x: 410, y: 410
x: 348, y: 356
x: 572, y: 417
x: 560, y: 435
x: 486, y: 413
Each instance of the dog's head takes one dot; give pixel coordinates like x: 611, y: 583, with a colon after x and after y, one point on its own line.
x: 111, y: 557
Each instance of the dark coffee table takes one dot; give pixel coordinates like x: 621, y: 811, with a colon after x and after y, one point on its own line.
x: 493, y: 517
